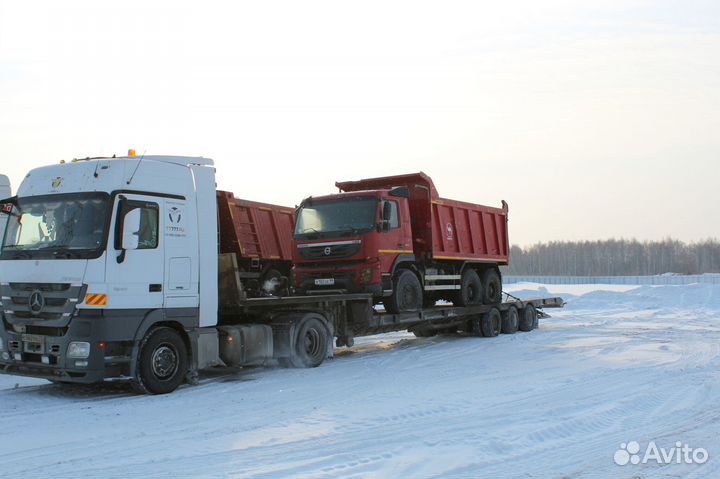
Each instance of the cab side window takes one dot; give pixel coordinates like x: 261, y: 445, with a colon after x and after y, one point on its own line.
x: 149, y: 225
x: 394, y: 215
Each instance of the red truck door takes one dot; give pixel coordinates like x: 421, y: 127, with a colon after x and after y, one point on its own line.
x: 420, y: 220
x: 397, y: 239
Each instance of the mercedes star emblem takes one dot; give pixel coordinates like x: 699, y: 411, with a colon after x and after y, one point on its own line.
x: 37, y: 302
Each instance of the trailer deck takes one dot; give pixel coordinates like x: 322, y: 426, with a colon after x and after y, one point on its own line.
x: 355, y: 315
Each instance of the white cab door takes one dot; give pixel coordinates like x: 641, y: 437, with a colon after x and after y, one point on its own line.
x: 135, y: 277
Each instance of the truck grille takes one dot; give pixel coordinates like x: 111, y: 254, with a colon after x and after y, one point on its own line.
x: 39, y: 301
x: 328, y: 251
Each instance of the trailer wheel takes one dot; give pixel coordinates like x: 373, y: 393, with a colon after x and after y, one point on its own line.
x: 162, y: 362
x: 471, y: 289
x: 311, y: 343
x: 407, y: 294
x: 491, y: 323
x: 510, y: 320
x: 492, y: 287
x: 528, y: 318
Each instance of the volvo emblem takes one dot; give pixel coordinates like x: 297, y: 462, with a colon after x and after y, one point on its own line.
x: 36, y: 302
x: 327, y: 251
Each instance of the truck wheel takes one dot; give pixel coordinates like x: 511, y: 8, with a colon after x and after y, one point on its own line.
x: 492, y: 287
x: 407, y: 294
x: 510, y: 320
x: 311, y: 343
x: 528, y: 318
x: 471, y: 289
x: 162, y: 362
x: 273, y: 283
x: 491, y: 323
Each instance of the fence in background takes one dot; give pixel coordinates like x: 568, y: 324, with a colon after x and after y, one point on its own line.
x: 660, y: 280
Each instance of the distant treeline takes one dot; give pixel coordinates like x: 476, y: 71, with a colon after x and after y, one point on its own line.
x: 615, y: 258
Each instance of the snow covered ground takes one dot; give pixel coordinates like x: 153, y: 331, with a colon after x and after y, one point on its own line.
x: 618, y: 364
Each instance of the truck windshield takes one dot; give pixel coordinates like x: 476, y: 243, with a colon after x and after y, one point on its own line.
x: 334, y: 217
x: 57, y: 226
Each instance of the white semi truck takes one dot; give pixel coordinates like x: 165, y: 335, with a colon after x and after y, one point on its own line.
x: 111, y: 269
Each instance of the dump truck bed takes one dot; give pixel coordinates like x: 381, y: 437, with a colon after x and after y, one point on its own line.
x: 445, y: 229
x: 254, y: 230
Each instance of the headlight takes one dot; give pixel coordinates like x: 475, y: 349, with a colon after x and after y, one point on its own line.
x: 366, y: 275
x: 78, y: 349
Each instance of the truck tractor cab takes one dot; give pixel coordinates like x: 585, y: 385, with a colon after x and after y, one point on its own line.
x: 100, y: 253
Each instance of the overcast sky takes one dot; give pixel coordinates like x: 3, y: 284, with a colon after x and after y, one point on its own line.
x: 592, y: 121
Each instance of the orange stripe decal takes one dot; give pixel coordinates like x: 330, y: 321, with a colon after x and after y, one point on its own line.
x: 96, y: 299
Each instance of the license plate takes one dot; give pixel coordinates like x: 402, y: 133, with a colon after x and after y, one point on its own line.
x: 324, y: 281
x: 33, y: 338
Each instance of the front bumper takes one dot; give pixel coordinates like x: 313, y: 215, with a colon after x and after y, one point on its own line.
x: 337, y: 280
x: 42, y: 352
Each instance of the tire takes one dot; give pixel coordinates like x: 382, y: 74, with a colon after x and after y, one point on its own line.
x: 162, y: 362
x: 474, y: 326
x: 278, y: 285
x: 492, y: 287
x: 510, y: 320
x: 311, y: 343
x: 471, y: 289
x: 407, y: 294
x: 491, y: 323
x: 528, y: 317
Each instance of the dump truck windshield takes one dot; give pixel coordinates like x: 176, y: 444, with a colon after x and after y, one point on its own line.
x: 57, y: 226
x: 351, y: 215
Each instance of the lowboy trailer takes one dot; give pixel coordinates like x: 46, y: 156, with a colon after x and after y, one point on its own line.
x: 121, y: 269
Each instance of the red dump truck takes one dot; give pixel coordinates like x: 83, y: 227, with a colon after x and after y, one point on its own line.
x: 260, y: 235
x: 396, y: 238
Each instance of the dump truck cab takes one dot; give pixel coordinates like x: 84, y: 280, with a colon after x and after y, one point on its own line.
x: 347, y: 242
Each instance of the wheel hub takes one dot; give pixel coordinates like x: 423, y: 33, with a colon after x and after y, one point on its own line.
x: 312, y: 342
x: 164, y: 361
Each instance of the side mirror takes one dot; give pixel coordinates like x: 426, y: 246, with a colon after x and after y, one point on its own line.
x: 131, y: 229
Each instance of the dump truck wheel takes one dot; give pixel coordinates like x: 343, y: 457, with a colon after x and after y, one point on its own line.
x: 311, y: 343
x: 492, y: 287
x: 471, y: 289
x: 491, y: 323
x: 407, y: 294
x: 528, y: 317
x: 162, y: 362
x: 510, y: 320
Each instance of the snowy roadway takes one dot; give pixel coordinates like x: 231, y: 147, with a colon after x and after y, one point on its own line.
x: 619, y: 364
